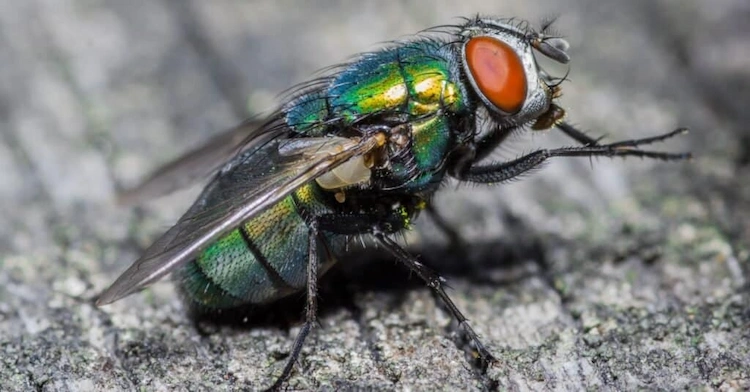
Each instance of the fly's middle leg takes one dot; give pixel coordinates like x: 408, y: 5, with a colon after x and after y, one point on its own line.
x: 380, y: 226
x: 311, y: 307
x: 435, y: 282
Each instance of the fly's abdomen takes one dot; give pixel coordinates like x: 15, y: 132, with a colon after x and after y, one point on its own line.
x: 262, y: 260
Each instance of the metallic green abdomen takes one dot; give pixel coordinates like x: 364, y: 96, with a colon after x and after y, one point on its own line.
x: 262, y: 260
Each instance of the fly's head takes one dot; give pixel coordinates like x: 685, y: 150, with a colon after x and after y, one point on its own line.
x: 498, y: 60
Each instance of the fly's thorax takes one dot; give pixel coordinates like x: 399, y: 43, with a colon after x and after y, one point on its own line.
x: 308, y: 113
x: 389, y: 212
x: 431, y: 92
x: 415, y: 79
x: 408, y: 81
x: 401, y: 214
x: 410, y: 159
x: 499, y: 63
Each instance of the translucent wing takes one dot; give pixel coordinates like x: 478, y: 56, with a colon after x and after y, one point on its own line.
x: 197, y: 164
x: 246, y: 186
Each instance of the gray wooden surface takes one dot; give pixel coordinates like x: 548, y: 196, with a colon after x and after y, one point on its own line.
x: 613, y: 275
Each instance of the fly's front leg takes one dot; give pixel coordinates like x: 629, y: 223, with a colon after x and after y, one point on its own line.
x: 553, y: 118
x: 435, y: 283
x: 489, y: 143
x: 311, y: 308
x: 485, y: 146
x: 576, y: 134
x: 504, y: 171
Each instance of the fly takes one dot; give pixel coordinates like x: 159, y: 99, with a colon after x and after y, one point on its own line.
x: 360, y: 151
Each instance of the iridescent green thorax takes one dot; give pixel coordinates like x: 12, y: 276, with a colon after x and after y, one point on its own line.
x: 430, y: 141
x: 419, y: 83
x: 414, y: 80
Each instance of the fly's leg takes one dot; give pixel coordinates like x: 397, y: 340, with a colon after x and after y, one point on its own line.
x: 503, y: 171
x: 363, y: 222
x: 311, y: 308
x: 577, y: 135
x: 587, y: 141
x: 481, y: 150
x: 435, y: 283
x: 489, y: 143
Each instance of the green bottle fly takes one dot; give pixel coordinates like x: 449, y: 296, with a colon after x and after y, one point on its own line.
x: 359, y: 152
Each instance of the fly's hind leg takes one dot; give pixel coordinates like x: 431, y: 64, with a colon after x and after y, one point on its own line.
x: 311, y: 308
x: 435, y: 283
x: 360, y: 223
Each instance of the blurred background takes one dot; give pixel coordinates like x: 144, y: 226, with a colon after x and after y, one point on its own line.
x: 606, y: 273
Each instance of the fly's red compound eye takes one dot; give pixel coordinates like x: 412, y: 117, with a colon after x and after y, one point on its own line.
x: 497, y: 72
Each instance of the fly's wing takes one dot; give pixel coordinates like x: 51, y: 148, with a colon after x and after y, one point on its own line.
x: 197, y: 164
x: 252, y: 182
